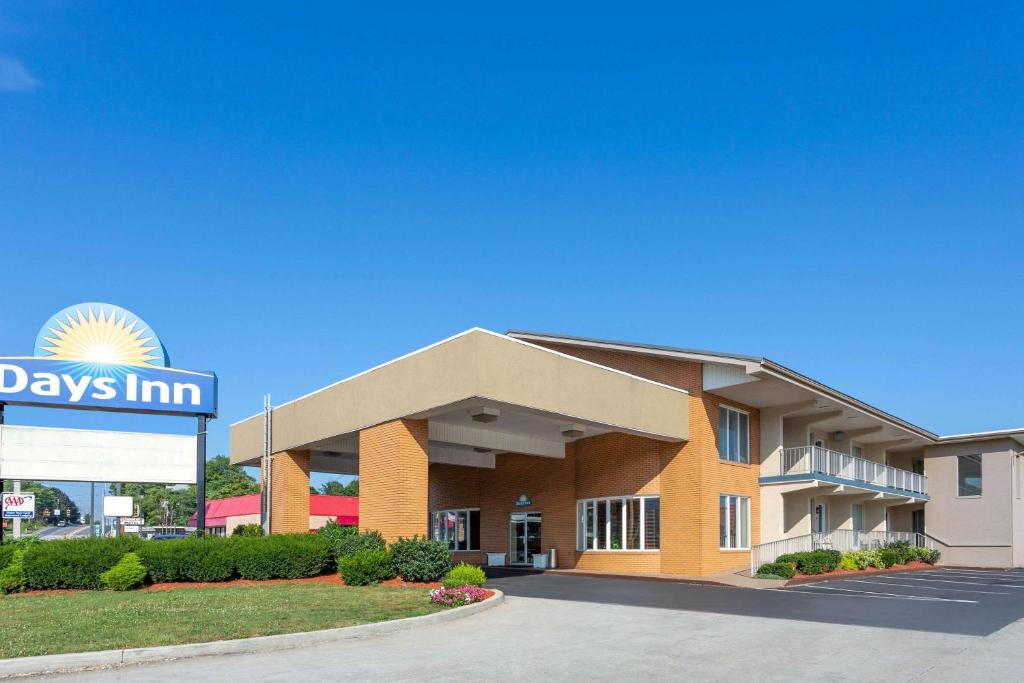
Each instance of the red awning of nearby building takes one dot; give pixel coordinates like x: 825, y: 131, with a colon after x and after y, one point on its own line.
x: 345, y: 509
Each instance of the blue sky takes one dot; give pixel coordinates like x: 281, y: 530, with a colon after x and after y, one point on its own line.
x: 290, y: 195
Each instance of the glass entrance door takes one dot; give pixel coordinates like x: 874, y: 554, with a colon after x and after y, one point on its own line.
x: 523, y: 537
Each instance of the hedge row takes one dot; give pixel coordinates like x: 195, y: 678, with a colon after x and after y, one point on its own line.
x: 80, y: 563
x: 414, y: 559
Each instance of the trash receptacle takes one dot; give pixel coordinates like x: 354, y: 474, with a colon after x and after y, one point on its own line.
x: 552, y: 559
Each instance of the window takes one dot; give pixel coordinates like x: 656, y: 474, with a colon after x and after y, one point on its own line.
x: 733, y: 522
x: 968, y: 475
x: 733, y: 435
x: 459, y: 528
x: 623, y: 523
x: 857, y: 513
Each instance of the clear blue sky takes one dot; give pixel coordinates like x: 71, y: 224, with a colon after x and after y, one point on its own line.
x: 290, y: 195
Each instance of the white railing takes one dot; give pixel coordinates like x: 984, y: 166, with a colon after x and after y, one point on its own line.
x: 818, y: 460
x: 837, y: 539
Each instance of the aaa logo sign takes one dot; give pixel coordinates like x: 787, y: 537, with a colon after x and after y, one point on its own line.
x: 19, y: 505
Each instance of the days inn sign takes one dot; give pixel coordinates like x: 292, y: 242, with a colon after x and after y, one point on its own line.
x: 102, y: 357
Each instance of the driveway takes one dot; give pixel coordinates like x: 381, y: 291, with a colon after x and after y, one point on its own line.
x: 571, y: 628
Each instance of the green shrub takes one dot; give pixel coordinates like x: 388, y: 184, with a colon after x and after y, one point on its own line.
x: 890, y: 557
x: 347, y: 543
x: 421, y: 559
x: 366, y: 568
x: 128, y: 573
x: 6, y: 554
x: 75, y: 563
x: 332, y: 531
x: 162, y: 560
x: 465, y: 575
x: 848, y: 562
x: 933, y: 556
x: 812, y: 562
x: 12, y: 576
x: 781, y: 570
x: 205, y: 559
x: 290, y: 556
x: 248, y: 530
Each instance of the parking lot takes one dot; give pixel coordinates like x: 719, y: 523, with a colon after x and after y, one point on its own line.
x: 962, y: 601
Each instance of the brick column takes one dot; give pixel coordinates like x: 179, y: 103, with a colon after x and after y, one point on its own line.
x: 394, y: 479
x: 289, y: 481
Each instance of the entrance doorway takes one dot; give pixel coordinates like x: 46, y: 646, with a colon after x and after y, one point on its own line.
x: 523, y: 537
x: 820, y: 519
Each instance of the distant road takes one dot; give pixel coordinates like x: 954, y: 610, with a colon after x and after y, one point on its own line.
x: 54, y: 533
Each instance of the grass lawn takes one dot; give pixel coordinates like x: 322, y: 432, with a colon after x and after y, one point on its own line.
x: 41, y: 624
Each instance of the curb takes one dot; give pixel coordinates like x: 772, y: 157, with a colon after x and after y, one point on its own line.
x: 46, y: 664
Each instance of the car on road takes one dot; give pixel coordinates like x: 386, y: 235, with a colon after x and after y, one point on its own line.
x: 62, y: 523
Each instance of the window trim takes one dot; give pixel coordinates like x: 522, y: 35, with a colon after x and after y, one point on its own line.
x: 746, y: 522
x: 580, y: 516
x: 718, y: 435
x: 981, y: 474
x: 469, y: 527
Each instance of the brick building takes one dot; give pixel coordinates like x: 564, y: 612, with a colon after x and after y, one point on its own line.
x: 620, y: 457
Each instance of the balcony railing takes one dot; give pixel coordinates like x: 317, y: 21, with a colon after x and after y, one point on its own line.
x: 818, y: 460
x: 837, y: 539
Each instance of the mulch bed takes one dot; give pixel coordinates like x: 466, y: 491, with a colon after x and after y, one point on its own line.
x: 846, y: 573
x: 332, y: 579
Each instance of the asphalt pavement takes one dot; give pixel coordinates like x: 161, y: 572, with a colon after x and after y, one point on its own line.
x: 940, y: 625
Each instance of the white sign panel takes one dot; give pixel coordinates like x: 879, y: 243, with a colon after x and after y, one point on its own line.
x: 118, y: 506
x: 19, y: 505
x: 131, y: 528
x: 46, y: 453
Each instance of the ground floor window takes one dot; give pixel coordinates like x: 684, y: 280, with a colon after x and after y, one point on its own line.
x: 460, y: 529
x: 621, y: 523
x: 733, y: 522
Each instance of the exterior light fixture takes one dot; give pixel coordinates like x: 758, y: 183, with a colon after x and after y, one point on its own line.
x: 839, y: 436
x: 485, y: 414
x: 481, y: 449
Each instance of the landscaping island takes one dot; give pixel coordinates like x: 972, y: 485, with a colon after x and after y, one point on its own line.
x: 121, y: 593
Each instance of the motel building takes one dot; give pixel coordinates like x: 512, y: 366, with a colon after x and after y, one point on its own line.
x: 633, y: 458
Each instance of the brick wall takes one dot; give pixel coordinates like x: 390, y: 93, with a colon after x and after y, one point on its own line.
x: 692, y: 475
x: 393, y: 478
x: 289, y: 505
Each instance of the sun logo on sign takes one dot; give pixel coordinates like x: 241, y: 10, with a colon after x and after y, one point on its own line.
x: 103, y: 334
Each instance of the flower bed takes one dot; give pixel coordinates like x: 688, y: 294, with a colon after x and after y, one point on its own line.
x: 816, y: 562
x: 457, y: 597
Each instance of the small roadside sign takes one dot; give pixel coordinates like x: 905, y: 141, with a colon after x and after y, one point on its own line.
x: 19, y: 505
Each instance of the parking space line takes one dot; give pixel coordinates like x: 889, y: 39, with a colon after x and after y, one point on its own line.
x: 930, y: 588
x: 927, y: 598
x: 991, y: 576
x: 966, y: 583
x: 852, y: 593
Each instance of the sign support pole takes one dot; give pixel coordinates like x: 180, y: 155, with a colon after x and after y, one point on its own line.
x: 201, y: 476
x: 1, y: 485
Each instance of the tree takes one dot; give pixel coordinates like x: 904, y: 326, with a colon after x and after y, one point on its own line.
x: 224, y: 480
x: 174, y: 505
x: 48, y: 500
x: 336, y: 488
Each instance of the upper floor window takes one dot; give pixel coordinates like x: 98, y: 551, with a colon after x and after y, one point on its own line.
x: 733, y: 435
x: 968, y: 475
